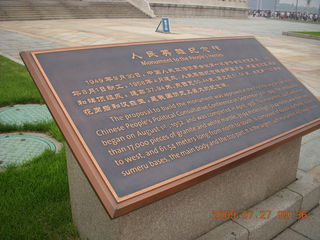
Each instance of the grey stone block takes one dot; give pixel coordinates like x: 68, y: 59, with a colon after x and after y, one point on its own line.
x: 267, y: 228
x: 315, y: 173
x: 187, y: 10
x: 309, y: 227
x: 186, y: 214
x: 300, y: 173
x: 226, y: 231
x: 313, y: 136
x: 289, y: 234
x: 310, y: 150
x: 309, y: 189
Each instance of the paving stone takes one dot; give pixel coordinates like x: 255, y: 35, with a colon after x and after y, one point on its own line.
x: 289, y: 234
x: 300, y: 173
x: 226, y: 231
x: 309, y: 227
x: 309, y: 154
x: 18, y: 148
x: 265, y: 229
x: 315, y: 172
x: 21, y: 114
x: 250, y: 26
x: 309, y: 189
x: 12, y: 43
x: 311, y: 137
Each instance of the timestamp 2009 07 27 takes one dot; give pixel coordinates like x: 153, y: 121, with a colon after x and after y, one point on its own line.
x: 259, y: 214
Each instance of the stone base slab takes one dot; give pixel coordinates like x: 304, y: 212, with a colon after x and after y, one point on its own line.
x: 298, y: 198
x: 186, y: 214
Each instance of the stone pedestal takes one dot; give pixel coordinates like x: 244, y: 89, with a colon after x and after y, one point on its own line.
x: 186, y: 214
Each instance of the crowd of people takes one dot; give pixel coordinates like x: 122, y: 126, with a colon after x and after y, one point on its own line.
x: 292, y: 15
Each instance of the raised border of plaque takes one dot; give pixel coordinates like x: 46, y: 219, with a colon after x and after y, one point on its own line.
x: 115, y: 205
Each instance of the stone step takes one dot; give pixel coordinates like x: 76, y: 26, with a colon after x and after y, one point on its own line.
x: 271, y: 216
x: 68, y: 15
x: 68, y: 11
x: 29, y: 2
x: 32, y: 10
x: 64, y: 17
x: 65, y: 9
x: 41, y: 17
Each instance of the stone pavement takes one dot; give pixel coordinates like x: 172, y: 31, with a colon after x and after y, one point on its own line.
x: 300, y: 56
x: 12, y: 43
x: 306, y: 229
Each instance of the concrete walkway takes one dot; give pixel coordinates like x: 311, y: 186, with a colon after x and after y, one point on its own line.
x: 300, y: 56
x: 11, y: 43
x: 257, y: 26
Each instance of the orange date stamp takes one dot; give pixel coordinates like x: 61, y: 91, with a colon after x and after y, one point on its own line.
x: 258, y: 214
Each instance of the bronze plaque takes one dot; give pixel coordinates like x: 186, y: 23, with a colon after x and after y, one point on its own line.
x: 148, y: 119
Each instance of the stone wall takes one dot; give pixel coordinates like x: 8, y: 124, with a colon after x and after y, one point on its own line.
x: 142, y: 5
x: 185, y: 215
x: 216, y: 3
x: 200, y: 8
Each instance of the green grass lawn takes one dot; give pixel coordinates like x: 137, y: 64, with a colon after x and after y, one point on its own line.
x: 45, y: 127
x: 16, y: 85
x: 34, y: 197
x: 310, y: 33
x: 294, y: 20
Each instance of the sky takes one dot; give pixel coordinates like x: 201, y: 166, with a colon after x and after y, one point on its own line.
x: 314, y: 3
x: 302, y: 3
